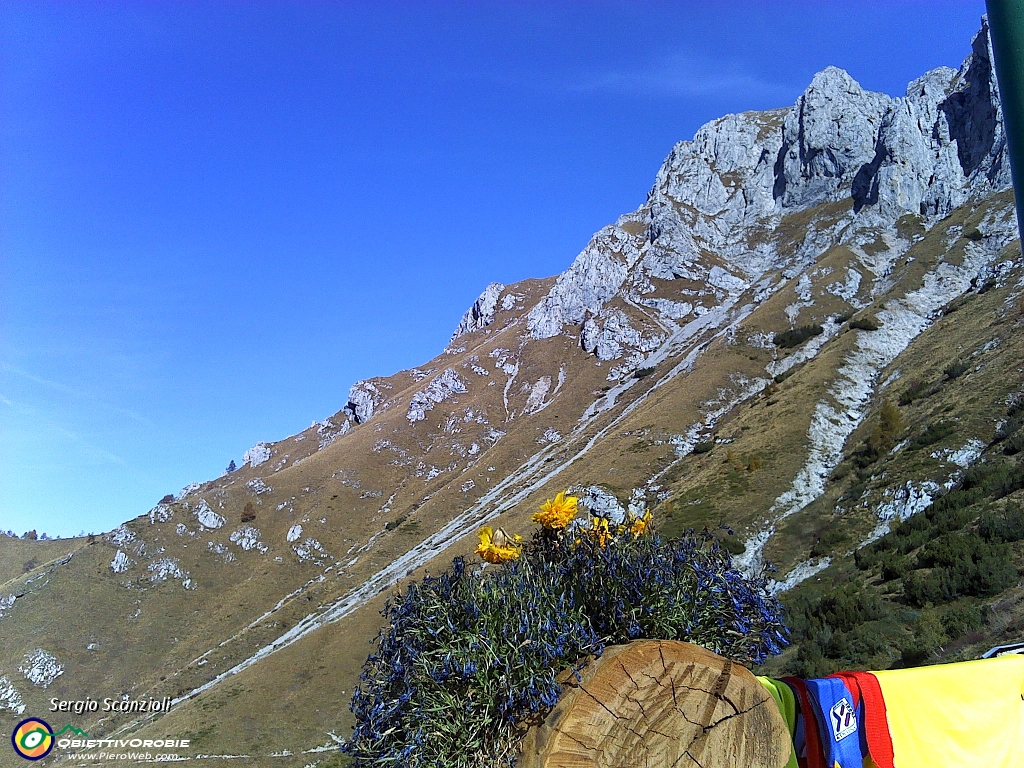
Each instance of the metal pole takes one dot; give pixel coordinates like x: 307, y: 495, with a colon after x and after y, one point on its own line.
x: 1006, y: 25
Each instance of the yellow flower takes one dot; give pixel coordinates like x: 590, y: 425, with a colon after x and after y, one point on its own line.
x: 556, y: 513
x: 497, y: 546
x: 600, y: 531
x: 639, y: 525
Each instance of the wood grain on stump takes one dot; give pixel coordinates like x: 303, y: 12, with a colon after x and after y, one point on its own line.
x: 660, y: 703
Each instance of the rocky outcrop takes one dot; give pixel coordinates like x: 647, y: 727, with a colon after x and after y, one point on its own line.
x: 596, y: 275
x: 444, y: 387
x: 257, y: 455
x: 363, y: 399
x: 608, y: 338
x: 481, y: 314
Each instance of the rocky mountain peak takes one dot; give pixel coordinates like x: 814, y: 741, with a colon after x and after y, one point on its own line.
x: 828, y: 137
x: 923, y: 154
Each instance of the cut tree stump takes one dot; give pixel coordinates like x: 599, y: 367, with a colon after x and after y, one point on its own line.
x: 660, y: 703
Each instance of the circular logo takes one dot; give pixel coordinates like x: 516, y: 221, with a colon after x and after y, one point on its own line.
x: 33, y: 738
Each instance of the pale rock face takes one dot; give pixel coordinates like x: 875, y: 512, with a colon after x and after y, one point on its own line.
x: 510, y: 300
x: 120, y: 563
x: 188, y: 490
x: 607, y: 339
x: 207, y: 517
x: 674, y: 310
x: 9, y: 697
x: 538, y: 393
x: 721, y: 278
x: 248, y: 538
x: 161, y: 513
x: 600, y: 503
x: 6, y: 601
x: 169, y: 568
x: 595, y: 276
x: 481, y: 314
x: 444, y: 387
x: 962, y: 457
x: 328, y: 432
x: 975, y: 117
x: 121, y: 535
x: 41, y: 667
x: 901, y: 503
x: 310, y: 549
x: 363, y: 399
x: 294, y: 533
x: 257, y: 486
x: 828, y: 137
x: 589, y: 335
x: 256, y: 455
x: 725, y: 174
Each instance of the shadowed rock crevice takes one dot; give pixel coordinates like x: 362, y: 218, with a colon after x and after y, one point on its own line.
x: 973, y: 113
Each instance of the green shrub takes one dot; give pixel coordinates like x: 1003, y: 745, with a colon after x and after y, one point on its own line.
x: 932, y: 434
x: 956, y: 304
x: 895, y: 568
x: 841, y: 471
x: 928, y: 636
x: 916, y: 390
x: 954, y: 565
x: 797, y: 336
x: 839, y: 609
x: 858, y: 644
x: 949, y: 549
x: 867, y: 557
x: 864, y: 324
x: 839, y: 627
x: 996, y: 479
x: 640, y: 373
x: 962, y: 618
x: 733, y: 544
x: 1013, y: 421
x: 704, y: 446
x: 829, y: 541
x: 1008, y: 427
x: 966, y: 566
x: 955, y: 370
x: 1006, y: 525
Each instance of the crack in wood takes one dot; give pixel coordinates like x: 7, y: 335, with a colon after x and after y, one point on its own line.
x: 671, y: 720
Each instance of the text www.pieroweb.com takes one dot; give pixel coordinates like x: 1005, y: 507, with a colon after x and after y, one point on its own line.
x: 124, y: 749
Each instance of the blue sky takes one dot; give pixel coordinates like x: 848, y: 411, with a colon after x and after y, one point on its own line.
x: 216, y: 217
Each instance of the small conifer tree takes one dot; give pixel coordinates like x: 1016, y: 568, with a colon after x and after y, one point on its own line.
x: 888, y: 429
